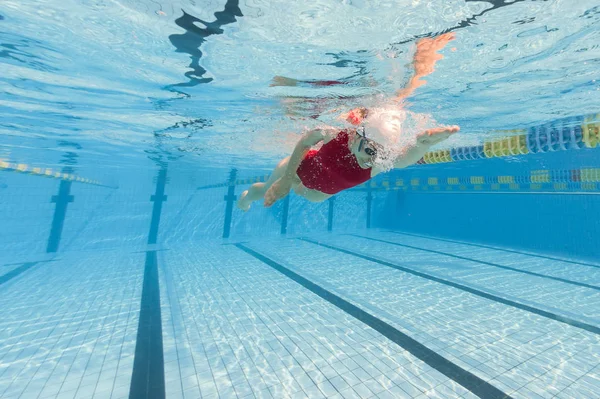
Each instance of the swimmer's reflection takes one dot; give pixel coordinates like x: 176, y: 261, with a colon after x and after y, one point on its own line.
x: 195, y: 36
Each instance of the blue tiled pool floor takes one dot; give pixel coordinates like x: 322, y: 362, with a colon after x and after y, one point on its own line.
x: 370, y: 315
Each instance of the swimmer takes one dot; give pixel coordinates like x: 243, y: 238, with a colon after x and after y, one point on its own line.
x: 350, y: 157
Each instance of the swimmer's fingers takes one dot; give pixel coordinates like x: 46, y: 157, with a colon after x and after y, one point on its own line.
x: 439, y: 130
x: 430, y: 44
x: 446, y: 37
x: 283, y: 81
x: 433, y: 136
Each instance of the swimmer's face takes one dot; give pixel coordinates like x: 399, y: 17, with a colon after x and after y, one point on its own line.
x: 365, y: 150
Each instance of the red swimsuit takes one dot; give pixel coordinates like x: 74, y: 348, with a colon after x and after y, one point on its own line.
x: 332, y: 168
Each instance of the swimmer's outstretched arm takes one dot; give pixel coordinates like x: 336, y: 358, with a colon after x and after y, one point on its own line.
x: 424, y: 62
x: 411, y: 154
x: 282, y: 186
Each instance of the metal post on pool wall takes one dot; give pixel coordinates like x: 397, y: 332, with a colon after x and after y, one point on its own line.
x: 330, y: 215
x: 369, y: 200
x: 284, y: 216
x: 230, y: 198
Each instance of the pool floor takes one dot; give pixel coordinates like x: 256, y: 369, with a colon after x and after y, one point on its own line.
x: 375, y: 314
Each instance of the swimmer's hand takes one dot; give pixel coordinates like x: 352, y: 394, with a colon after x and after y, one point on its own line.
x: 277, y: 191
x: 283, y: 81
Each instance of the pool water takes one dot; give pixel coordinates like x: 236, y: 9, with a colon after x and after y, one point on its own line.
x: 129, y: 129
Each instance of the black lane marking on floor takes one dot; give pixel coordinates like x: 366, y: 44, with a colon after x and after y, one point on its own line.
x: 148, y: 377
x: 508, y: 302
x: 497, y: 249
x: 461, y: 376
x: 15, y: 272
x: 562, y: 280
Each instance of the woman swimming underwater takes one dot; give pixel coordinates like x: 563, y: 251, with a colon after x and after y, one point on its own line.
x: 349, y: 157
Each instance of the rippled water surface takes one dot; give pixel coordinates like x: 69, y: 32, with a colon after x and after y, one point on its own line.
x: 119, y: 83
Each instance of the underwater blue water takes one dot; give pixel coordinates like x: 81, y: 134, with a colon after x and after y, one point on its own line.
x: 128, y: 129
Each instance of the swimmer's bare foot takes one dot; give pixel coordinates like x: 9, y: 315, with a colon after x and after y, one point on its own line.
x: 433, y: 136
x: 241, y: 203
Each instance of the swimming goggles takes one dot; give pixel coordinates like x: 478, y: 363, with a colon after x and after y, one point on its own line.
x: 363, y: 135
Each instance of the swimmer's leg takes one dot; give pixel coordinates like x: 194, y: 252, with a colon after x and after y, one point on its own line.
x: 258, y: 190
x: 311, y: 195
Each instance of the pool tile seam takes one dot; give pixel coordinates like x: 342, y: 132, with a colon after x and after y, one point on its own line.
x: 463, y: 287
x: 491, y: 264
x: 475, y: 384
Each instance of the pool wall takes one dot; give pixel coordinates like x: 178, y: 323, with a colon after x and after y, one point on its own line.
x: 541, y: 202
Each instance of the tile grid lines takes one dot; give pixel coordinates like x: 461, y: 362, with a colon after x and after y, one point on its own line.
x: 504, y: 283
x: 98, y: 330
x: 188, y: 296
x: 133, y: 304
x: 68, y: 344
x: 175, y: 311
x: 468, y: 380
x: 390, y: 317
x: 488, y: 368
x: 582, y: 377
x: 548, y: 371
x: 496, y: 378
x: 279, y: 320
x: 36, y: 333
x: 477, y: 251
x: 495, y: 248
x: 87, y: 221
x: 90, y: 330
x: 223, y: 348
x: 276, y: 323
x: 16, y: 272
x: 360, y: 354
x: 452, y: 356
x: 173, y: 222
x: 121, y: 302
x: 562, y: 280
x: 536, y: 376
x: 308, y: 372
x: 371, y: 383
x: 258, y: 316
x: 148, y: 376
x: 134, y: 300
x: 315, y: 382
x: 483, y: 294
x: 54, y: 328
x: 266, y: 325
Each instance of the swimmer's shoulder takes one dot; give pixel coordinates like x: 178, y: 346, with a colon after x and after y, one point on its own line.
x: 329, y: 133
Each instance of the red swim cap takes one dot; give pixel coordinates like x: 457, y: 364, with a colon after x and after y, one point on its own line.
x: 354, y: 118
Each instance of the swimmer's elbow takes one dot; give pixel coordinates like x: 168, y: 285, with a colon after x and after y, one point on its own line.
x: 311, y: 138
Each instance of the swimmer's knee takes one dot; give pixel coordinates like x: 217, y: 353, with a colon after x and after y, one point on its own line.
x: 283, y: 162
